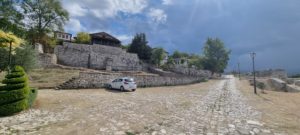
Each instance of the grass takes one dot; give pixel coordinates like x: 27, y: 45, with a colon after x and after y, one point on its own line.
x: 48, y: 78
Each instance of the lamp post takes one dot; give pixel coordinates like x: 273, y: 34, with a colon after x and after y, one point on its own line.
x: 253, y: 54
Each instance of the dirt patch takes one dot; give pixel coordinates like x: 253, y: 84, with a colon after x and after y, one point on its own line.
x: 280, y: 110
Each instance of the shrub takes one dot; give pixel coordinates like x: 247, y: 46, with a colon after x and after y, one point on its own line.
x: 32, y: 96
x: 261, y: 85
x: 16, y: 95
x: 24, y: 56
x: 83, y: 38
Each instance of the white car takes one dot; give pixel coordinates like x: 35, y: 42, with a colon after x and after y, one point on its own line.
x: 123, y: 84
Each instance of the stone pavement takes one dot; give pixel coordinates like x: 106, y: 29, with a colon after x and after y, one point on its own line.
x: 181, y: 110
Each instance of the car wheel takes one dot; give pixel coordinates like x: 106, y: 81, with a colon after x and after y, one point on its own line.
x: 133, y: 90
x: 122, y: 88
x: 109, y: 87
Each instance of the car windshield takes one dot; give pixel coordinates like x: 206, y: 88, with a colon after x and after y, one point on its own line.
x: 129, y: 80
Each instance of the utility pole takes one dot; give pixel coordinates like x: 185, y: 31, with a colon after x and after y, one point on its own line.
x: 239, y: 70
x: 252, y: 54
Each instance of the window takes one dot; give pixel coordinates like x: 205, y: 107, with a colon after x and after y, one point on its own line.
x: 115, y: 80
x: 129, y: 80
x: 67, y: 36
x: 63, y: 36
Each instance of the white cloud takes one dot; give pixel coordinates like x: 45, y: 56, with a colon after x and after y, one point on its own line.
x: 126, y: 39
x: 74, y: 25
x: 104, y: 8
x: 167, y: 2
x: 157, y: 15
x: 75, y: 9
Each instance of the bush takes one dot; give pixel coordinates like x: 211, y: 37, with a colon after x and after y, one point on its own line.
x: 32, y: 96
x: 83, y: 38
x: 24, y: 56
x: 261, y: 85
x: 14, y: 107
x: 16, y: 95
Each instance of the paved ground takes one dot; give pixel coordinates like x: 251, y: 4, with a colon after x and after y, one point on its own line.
x: 214, y: 107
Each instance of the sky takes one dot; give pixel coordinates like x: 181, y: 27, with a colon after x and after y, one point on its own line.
x: 271, y: 28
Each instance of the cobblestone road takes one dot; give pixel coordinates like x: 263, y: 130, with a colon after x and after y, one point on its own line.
x: 217, y: 107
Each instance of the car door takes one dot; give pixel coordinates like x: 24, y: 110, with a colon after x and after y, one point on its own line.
x: 114, y: 83
x: 119, y: 83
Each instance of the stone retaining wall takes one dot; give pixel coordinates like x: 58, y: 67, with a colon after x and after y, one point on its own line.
x: 99, y: 80
x: 190, y: 71
x: 96, y: 57
x: 46, y: 60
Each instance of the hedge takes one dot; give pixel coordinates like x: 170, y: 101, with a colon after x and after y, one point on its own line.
x: 14, y: 107
x: 32, y: 96
x: 15, y: 74
x: 13, y: 95
x: 16, y: 95
x: 12, y: 86
x: 22, y: 79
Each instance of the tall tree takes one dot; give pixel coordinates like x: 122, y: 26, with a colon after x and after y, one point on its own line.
x: 44, y: 16
x: 216, y: 56
x: 158, y: 54
x: 140, y: 47
x: 10, y: 17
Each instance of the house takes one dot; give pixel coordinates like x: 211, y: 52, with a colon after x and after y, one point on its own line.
x: 181, y: 62
x: 66, y: 37
x: 102, y: 38
x: 165, y: 59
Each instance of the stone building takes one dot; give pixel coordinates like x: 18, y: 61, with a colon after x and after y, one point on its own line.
x: 97, y: 57
x: 102, y: 38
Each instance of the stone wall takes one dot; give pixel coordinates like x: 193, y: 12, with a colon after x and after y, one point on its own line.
x: 190, y: 71
x: 96, y: 57
x: 99, y: 80
x: 47, y: 60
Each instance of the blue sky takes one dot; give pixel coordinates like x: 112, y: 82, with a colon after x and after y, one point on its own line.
x: 271, y: 28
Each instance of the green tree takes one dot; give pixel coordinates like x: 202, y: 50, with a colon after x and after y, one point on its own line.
x: 10, y: 17
x: 216, y: 56
x: 178, y: 54
x: 83, y: 38
x: 158, y: 54
x: 45, y: 16
x: 140, y: 47
x: 24, y: 56
x: 196, y: 60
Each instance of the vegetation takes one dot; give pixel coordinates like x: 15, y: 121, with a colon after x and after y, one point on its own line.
x: 83, y: 38
x: 16, y: 95
x: 158, y: 54
x: 140, y: 47
x: 178, y: 54
x: 45, y: 16
x: 295, y: 76
x: 216, y: 56
x: 24, y: 56
x: 9, y: 38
